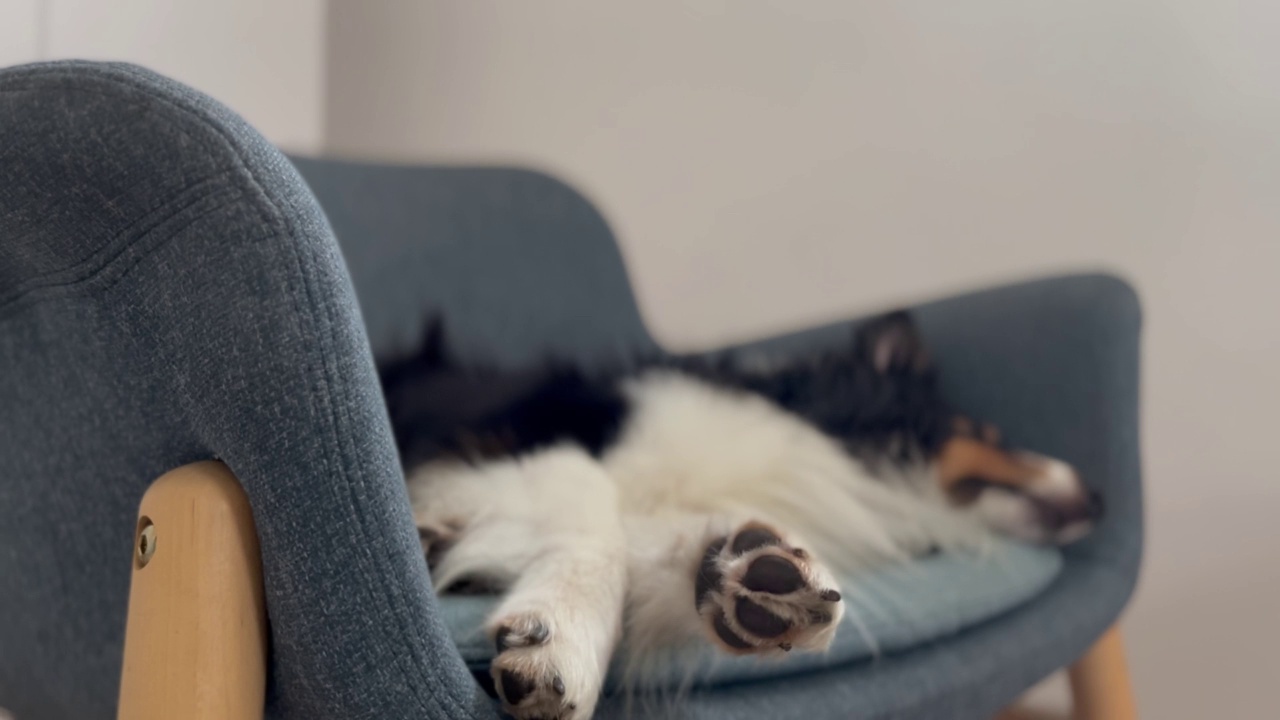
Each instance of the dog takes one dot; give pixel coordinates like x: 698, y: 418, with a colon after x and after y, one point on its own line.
x: 677, y: 499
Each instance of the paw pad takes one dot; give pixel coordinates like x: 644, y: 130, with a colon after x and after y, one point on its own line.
x: 526, y: 672
x: 758, y: 593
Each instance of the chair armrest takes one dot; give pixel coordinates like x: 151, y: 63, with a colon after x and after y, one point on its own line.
x: 171, y: 292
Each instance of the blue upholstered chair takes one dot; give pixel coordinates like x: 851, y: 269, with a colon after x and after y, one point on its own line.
x: 174, y: 290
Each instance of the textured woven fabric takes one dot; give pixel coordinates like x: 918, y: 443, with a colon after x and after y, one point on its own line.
x: 170, y: 291
x: 519, y: 265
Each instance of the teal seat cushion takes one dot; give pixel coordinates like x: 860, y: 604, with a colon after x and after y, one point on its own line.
x: 888, y: 610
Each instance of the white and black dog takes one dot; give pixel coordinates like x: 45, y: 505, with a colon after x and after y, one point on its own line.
x: 681, y: 499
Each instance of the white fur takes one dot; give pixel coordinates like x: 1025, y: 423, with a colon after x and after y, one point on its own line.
x: 548, y: 524
x: 700, y: 448
x: 1015, y: 513
x: 576, y: 538
x: 1056, y: 480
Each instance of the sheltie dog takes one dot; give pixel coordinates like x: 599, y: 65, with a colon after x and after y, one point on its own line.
x: 677, y: 499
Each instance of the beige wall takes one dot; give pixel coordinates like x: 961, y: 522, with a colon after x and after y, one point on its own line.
x: 19, y: 31
x: 263, y: 59
x: 772, y: 164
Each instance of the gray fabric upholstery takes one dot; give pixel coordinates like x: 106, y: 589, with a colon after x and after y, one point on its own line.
x: 170, y: 291
x: 519, y: 264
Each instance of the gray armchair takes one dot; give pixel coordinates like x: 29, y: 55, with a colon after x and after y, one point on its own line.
x: 173, y: 289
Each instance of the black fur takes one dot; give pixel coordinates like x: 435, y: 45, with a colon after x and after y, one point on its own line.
x: 878, y: 394
x: 893, y: 411
x: 440, y: 408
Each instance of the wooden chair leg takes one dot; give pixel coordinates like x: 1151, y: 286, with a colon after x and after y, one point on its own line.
x: 1100, y: 686
x: 196, y: 640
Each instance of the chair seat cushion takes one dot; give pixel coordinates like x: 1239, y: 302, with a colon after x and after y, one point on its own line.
x: 888, y: 610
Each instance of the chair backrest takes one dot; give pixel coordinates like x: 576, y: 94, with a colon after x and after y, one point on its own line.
x: 519, y: 264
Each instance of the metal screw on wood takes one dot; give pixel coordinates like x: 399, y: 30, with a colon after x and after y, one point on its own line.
x: 146, y: 545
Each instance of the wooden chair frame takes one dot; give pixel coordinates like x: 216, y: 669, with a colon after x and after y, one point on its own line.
x: 196, y: 641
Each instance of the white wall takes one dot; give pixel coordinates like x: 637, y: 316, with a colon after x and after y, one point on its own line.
x: 19, y: 31
x: 773, y: 164
x: 263, y: 59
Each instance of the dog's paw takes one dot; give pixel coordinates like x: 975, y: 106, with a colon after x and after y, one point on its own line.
x: 758, y: 594
x: 533, y: 674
